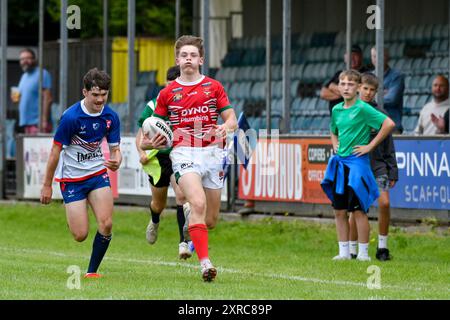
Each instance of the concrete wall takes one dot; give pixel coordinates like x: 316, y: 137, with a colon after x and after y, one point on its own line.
x: 330, y: 15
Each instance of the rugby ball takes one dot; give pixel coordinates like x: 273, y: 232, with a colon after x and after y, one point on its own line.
x: 153, y: 125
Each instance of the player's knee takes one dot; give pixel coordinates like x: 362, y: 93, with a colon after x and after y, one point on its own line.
x: 105, y: 226
x: 80, y: 236
x: 157, y: 206
x: 211, y: 223
x: 384, y: 203
x: 198, y: 206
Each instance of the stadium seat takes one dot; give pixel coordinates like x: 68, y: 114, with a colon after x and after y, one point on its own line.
x: 276, y: 107
x: 444, y: 46
x: 294, y: 88
x: 428, y: 32
x: 257, y: 91
x: 423, y: 99
x: 277, y: 72
x: 445, y: 32
x: 425, y: 84
x: 296, y: 106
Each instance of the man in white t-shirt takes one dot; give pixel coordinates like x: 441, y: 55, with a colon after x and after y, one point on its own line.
x: 437, y: 107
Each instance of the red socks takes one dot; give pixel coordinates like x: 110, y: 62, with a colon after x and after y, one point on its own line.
x: 199, y: 236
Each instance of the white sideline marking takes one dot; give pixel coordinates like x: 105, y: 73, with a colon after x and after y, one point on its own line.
x: 224, y: 270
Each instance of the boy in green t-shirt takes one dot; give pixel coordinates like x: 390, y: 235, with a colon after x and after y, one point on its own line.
x: 161, y: 176
x: 349, y: 181
x: 385, y: 170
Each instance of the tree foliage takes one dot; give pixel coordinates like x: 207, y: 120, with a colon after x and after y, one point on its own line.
x: 153, y: 18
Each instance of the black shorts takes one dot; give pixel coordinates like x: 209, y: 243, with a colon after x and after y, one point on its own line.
x: 347, y: 201
x: 166, y: 171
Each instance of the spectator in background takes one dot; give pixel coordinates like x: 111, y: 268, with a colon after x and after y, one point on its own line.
x: 394, y: 86
x: 435, y: 109
x: 330, y: 91
x: 28, y: 97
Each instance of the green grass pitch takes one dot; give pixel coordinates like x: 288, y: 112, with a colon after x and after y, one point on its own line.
x: 265, y: 259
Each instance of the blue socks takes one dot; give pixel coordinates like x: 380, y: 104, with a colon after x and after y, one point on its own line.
x: 99, y: 247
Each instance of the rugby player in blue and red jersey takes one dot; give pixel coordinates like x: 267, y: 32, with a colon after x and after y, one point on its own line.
x: 80, y: 166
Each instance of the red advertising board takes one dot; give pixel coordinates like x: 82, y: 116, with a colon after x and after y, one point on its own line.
x: 287, y: 170
x: 316, y: 153
x: 274, y: 172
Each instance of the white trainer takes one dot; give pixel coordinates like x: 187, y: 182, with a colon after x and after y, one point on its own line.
x: 363, y: 258
x: 183, y: 251
x: 152, y: 232
x: 338, y: 257
x: 187, y: 212
x: 209, y: 273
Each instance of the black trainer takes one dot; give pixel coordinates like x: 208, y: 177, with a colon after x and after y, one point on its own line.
x: 383, y: 254
x: 353, y: 256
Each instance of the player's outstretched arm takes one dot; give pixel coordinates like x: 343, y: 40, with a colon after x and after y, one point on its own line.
x: 115, y: 159
x: 46, y: 190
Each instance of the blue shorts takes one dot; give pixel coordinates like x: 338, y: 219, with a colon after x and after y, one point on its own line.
x: 75, y: 191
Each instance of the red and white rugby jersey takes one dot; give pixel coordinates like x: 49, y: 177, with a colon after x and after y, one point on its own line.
x: 193, y: 108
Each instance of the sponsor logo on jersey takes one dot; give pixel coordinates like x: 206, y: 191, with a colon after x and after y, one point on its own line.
x: 177, y: 97
x: 96, y: 125
x: 192, y: 93
x: 195, y: 111
x: 206, y: 84
x: 177, y: 89
x: 108, y: 124
x: 81, y: 157
x: 207, y: 93
x: 83, y: 129
x: 187, y: 165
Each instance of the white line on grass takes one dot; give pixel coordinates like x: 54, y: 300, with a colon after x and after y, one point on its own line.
x: 275, y: 276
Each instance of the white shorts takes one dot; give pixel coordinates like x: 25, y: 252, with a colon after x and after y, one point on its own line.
x: 207, y: 162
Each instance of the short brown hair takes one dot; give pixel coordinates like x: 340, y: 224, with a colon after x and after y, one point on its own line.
x: 352, y: 75
x: 370, y: 79
x: 96, y: 78
x: 173, y: 73
x: 30, y: 51
x: 189, y: 41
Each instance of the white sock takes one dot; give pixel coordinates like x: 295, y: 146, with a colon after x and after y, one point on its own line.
x: 205, y: 263
x: 353, y: 247
x: 363, y: 249
x: 382, y: 241
x: 344, y: 249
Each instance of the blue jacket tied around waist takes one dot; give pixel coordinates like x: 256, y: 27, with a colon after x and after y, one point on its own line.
x: 360, y: 179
